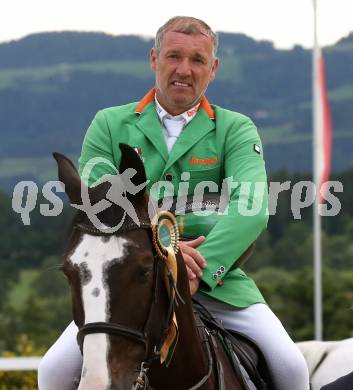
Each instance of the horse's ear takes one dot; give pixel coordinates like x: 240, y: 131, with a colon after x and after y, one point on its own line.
x: 68, y: 174
x: 130, y: 159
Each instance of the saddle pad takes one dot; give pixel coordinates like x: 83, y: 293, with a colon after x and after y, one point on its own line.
x: 245, y: 349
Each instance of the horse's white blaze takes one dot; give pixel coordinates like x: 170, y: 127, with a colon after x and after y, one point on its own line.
x: 93, y: 256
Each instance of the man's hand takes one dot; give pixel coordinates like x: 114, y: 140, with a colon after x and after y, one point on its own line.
x: 194, y: 261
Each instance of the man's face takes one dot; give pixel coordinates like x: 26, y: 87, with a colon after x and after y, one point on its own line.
x: 183, y: 68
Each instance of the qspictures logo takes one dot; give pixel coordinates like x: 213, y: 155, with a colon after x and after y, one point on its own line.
x: 243, y: 198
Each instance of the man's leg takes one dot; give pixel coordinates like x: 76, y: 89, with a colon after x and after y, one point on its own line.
x: 284, y: 359
x: 60, y: 367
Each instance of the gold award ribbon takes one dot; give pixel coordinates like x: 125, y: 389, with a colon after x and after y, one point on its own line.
x: 168, y: 254
x: 171, y: 340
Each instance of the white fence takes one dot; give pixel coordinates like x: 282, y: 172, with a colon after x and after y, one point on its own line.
x: 19, y: 364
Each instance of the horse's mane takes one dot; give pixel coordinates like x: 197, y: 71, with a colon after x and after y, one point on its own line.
x: 78, y: 218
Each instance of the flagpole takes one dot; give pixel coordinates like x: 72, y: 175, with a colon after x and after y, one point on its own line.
x: 316, y: 165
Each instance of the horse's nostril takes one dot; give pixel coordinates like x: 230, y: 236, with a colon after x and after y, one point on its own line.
x: 96, y: 291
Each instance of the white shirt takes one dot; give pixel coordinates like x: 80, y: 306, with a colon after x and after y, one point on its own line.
x: 174, y: 125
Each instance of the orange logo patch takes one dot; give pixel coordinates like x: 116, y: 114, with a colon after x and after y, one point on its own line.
x: 193, y: 110
x: 204, y: 161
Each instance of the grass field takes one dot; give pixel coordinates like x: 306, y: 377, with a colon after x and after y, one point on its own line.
x: 229, y: 69
x: 285, y: 135
x: 14, y: 77
x: 42, y: 168
x: 342, y: 93
x: 22, y: 288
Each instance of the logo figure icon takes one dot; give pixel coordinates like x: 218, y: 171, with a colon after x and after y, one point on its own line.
x: 121, y: 185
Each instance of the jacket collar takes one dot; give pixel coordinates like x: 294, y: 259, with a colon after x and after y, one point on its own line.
x: 148, y: 122
x: 150, y: 125
x: 149, y: 97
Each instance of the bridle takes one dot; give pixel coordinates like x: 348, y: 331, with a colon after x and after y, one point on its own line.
x: 116, y: 329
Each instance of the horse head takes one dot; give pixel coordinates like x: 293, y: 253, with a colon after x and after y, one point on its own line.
x: 121, y: 302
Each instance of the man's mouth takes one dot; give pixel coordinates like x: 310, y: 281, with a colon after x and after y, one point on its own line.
x: 180, y: 84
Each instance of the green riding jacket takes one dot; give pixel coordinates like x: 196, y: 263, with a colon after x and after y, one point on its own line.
x: 216, y: 144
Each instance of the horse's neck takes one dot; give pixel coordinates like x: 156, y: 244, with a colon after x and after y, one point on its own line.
x: 189, y: 351
x: 190, y: 346
x: 190, y: 362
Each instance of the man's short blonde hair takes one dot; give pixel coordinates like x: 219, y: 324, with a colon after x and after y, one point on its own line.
x: 186, y: 25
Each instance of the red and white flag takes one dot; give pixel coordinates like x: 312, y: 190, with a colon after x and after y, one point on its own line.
x: 322, y: 124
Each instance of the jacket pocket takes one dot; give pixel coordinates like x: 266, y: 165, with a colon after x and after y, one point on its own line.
x: 205, y: 174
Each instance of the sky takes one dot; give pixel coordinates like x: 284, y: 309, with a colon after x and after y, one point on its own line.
x: 284, y: 22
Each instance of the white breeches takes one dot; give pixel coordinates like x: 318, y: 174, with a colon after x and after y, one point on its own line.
x: 60, y: 368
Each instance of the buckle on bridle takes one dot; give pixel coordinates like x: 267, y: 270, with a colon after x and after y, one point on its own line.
x: 141, y: 382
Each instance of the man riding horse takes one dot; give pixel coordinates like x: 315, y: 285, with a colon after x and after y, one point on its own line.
x: 182, y: 137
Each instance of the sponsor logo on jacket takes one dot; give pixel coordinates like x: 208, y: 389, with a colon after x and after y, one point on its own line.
x: 204, y: 161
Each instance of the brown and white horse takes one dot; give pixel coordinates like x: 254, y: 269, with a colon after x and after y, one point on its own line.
x: 122, y: 303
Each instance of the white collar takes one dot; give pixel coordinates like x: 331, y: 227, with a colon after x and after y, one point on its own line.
x: 186, y: 116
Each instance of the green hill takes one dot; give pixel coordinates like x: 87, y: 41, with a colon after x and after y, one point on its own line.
x: 51, y: 85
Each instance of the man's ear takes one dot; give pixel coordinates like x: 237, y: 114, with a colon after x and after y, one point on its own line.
x: 68, y: 174
x: 153, y: 59
x: 214, y: 69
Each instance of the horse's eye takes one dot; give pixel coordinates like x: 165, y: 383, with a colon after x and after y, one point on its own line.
x: 66, y: 276
x: 63, y: 270
x: 143, y: 274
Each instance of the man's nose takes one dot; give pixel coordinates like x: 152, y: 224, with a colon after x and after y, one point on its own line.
x: 184, y: 68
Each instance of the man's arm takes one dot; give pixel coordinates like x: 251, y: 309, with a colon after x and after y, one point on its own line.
x: 235, y: 232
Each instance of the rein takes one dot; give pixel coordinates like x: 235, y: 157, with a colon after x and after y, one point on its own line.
x: 141, y: 337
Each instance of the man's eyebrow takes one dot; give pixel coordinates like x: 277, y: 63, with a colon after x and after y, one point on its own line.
x: 169, y: 51
x: 199, y: 55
